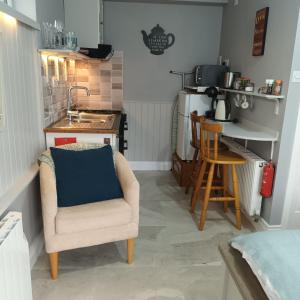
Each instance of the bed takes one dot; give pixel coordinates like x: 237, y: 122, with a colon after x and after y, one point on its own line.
x: 262, y: 265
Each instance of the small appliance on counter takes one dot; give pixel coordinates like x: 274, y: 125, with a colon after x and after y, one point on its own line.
x: 220, y: 106
x: 223, y: 109
x: 210, y: 75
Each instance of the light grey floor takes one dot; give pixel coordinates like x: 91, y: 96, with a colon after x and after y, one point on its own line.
x: 173, y: 260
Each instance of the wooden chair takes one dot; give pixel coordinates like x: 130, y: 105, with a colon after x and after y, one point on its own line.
x: 195, y: 143
x: 196, y: 122
x: 211, y: 159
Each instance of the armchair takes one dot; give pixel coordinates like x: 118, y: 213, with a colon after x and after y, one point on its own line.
x: 91, y: 224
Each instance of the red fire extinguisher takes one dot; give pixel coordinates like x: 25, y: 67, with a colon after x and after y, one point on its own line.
x: 267, y: 180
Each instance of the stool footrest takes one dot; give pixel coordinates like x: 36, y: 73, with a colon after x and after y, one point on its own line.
x: 221, y: 199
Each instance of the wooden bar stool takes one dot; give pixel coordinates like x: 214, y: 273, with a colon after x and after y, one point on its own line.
x: 212, y: 158
x: 196, y: 122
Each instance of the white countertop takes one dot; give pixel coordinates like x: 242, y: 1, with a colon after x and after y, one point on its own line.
x: 248, y: 130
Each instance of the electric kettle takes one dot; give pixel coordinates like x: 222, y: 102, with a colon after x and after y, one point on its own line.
x: 223, y: 110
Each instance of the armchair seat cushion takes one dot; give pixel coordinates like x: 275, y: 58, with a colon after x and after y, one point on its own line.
x: 93, y: 216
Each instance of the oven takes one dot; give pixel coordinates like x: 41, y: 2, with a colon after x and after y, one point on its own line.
x: 123, y: 143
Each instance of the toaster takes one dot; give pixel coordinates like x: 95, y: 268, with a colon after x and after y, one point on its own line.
x: 210, y: 75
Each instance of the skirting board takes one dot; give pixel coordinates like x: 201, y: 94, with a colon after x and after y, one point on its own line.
x: 261, y: 224
x: 150, y: 165
x: 266, y: 226
x: 35, y: 248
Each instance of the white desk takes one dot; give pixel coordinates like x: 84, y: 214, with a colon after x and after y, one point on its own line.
x: 247, y: 130
x: 244, y: 132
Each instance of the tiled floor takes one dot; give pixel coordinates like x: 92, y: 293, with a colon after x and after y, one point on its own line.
x: 173, y: 260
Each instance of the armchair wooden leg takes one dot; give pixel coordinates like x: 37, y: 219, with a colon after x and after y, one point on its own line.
x: 53, y: 265
x: 130, y: 250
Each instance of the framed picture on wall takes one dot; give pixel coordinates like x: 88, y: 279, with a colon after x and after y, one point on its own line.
x: 260, y: 31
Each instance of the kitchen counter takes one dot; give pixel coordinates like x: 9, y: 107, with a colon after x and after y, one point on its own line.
x: 65, y: 126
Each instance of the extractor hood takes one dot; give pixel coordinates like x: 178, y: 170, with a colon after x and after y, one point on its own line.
x: 104, y: 52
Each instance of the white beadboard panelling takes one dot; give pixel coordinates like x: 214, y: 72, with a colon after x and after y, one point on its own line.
x: 21, y: 141
x: 149, y: 131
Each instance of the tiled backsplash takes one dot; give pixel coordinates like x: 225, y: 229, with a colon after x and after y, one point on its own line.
x: 55, y: 87
x: 103, y: 78
x: 105, y: 81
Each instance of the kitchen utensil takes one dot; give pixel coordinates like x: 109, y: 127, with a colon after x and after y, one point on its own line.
x: 229, y: 79
x: 237, y: 84
x: 244, y: 102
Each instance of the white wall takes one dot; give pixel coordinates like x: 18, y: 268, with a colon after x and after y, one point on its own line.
x: 21, y: 141
x: 291, y: 141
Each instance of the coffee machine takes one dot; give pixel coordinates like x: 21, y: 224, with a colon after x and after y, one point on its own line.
x: 220, y: 106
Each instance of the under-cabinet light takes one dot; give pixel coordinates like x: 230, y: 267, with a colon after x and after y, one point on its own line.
x: 8, y: 19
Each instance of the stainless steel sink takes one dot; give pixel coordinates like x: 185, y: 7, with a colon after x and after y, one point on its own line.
x: 88, y: 121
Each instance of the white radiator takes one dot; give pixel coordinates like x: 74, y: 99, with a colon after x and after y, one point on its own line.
x: 249, y: 176
x: 15, y: 279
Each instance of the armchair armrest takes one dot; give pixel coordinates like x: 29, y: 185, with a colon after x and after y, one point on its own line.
x: 49, y: 199
x: 129, y: 185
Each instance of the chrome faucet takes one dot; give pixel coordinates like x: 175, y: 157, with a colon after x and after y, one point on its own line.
x: 70, y: 112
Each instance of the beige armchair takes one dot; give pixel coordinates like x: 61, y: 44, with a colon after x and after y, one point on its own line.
x: 89, y: 224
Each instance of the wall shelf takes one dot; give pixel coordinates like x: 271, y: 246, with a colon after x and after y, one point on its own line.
x: 251, y: 95
x: 64, y: 53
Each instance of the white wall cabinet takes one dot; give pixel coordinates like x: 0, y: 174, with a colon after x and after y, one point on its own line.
x: 85, y: 18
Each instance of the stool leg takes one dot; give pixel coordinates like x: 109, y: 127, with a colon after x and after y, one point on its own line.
x: 198, y: 185
x: 206, y: 196
x: 196, y: 152
x: 225, y: 185
x: 237, y: 198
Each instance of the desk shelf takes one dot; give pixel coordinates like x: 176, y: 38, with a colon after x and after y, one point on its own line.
x: 273, y: 98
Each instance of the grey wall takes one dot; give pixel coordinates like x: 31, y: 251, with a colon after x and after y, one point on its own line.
x: 48, y: 11
x: 236, y: 44
x: 146, y: 76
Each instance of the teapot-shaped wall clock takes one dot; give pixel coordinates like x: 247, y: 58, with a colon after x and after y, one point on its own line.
x: 157, y: 41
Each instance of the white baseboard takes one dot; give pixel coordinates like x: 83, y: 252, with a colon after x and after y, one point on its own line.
x: 35, y: 248
x: 150, y: 165
x: 261, y: 224
x: 266, y: 226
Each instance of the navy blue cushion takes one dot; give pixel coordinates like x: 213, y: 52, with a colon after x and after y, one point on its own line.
x: 85, y: 176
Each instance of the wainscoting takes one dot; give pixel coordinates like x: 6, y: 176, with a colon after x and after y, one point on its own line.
x: 21, y: 138
x: 149, y: 134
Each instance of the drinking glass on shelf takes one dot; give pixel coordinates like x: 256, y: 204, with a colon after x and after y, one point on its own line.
x: 70, y: 41
x: 48, y: 35
x: 58, y: 31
